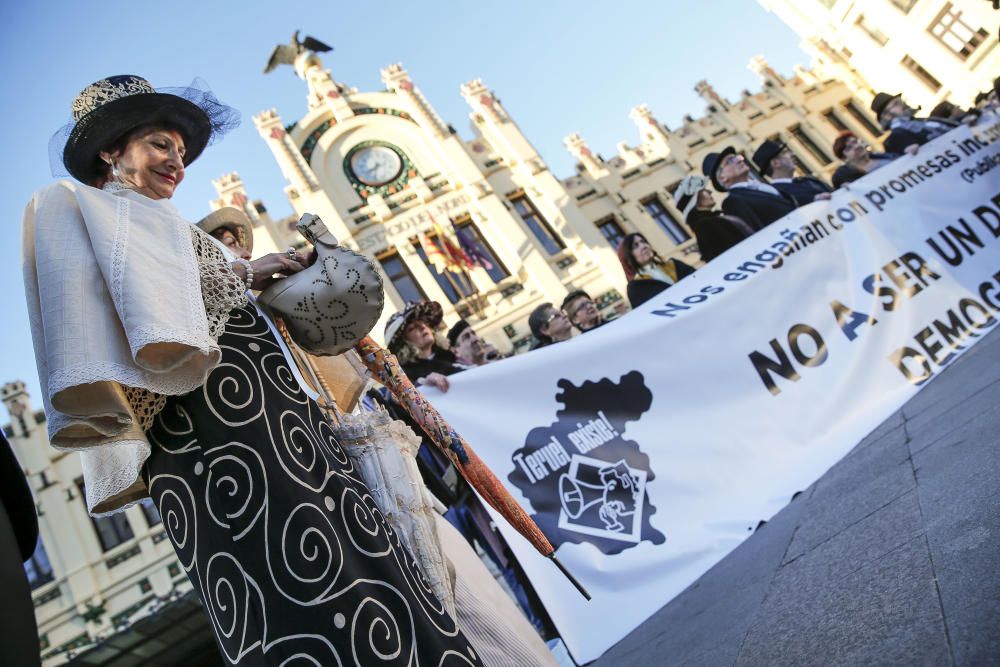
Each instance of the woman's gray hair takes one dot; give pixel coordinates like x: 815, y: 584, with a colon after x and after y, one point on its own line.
x: 537, y: 320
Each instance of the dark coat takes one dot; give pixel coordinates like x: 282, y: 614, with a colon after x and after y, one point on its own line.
x: 442, y: 362
x: 18, y: 537
x: 716, y: 232
x: 17, y: 501
x: 539, y: 343
x: 803, y: 189
x: 757, y: 209
x: 641, y: 290
x: 596, y: 326
x: 900, y: 138
x: 847, y: 173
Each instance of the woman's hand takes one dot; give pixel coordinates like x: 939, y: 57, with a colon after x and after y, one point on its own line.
x: 435, y: 380
x: 276, y: 263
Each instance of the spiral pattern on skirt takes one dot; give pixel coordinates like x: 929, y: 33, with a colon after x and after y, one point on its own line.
x: 287, y: 550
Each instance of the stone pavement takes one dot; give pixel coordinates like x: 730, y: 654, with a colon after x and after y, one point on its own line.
x: 891, y: 558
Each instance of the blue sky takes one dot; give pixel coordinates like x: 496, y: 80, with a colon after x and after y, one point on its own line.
x: 559, y: 67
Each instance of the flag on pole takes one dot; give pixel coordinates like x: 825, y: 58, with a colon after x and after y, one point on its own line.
x: 469, y: 247
x: 454, y: 255
x: 435, y: 256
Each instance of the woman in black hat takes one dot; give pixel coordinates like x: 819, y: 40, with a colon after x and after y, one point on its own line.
x: 715, y: 231
x: 171, y: 384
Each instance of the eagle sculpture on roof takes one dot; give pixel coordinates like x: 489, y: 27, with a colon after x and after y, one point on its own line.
x: 285, y: 54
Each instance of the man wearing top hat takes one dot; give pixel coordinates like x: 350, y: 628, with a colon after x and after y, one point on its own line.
x: 756, y: 203
x: 906, y: 133
x: 775, y: 162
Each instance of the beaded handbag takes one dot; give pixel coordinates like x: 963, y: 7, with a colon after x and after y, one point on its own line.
x: 331, y: 305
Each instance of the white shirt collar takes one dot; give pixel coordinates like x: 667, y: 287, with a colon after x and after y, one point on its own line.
x: 756, y: 185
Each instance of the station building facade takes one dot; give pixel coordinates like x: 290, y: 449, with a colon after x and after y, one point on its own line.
x: 393, y: 180
x: 928, y: 50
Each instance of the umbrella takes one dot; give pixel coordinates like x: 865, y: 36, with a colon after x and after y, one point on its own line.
x: 386, y: 369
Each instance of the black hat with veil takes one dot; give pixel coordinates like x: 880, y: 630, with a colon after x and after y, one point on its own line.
x: 109, y: 109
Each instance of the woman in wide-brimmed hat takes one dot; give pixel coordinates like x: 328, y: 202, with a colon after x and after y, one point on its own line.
x: 413, y: 335
x: 232, y: 227
x: 162, y: 372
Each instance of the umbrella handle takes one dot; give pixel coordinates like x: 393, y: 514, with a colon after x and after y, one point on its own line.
x: 569, y: 575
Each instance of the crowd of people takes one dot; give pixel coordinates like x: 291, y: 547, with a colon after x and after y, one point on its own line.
x: 765, y: 188
x: 757, y: 192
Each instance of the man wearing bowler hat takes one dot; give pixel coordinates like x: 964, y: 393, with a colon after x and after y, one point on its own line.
x: 775, y: 162
x: 757, y: 204
x: 906, y: 133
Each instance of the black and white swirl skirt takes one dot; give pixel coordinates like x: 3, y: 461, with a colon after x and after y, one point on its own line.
x: 289, y: 554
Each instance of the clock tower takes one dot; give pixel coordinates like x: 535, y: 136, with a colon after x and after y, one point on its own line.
x: 393, y: 180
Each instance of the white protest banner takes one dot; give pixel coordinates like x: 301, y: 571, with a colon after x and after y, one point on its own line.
x: 649, y: 448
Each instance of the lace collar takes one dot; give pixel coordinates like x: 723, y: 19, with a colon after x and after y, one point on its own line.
x: 115, y: 187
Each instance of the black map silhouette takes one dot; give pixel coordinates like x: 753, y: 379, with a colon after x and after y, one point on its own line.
x: 603, y: 501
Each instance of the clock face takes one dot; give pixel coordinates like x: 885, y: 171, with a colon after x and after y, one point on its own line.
x: 376, y: 165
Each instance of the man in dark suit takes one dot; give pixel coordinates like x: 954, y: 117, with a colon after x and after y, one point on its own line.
x: 906, y: 133
x: 775, y: 161
x: 758, y: 204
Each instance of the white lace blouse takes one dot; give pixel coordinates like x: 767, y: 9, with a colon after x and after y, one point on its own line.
x: 126, y: 301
